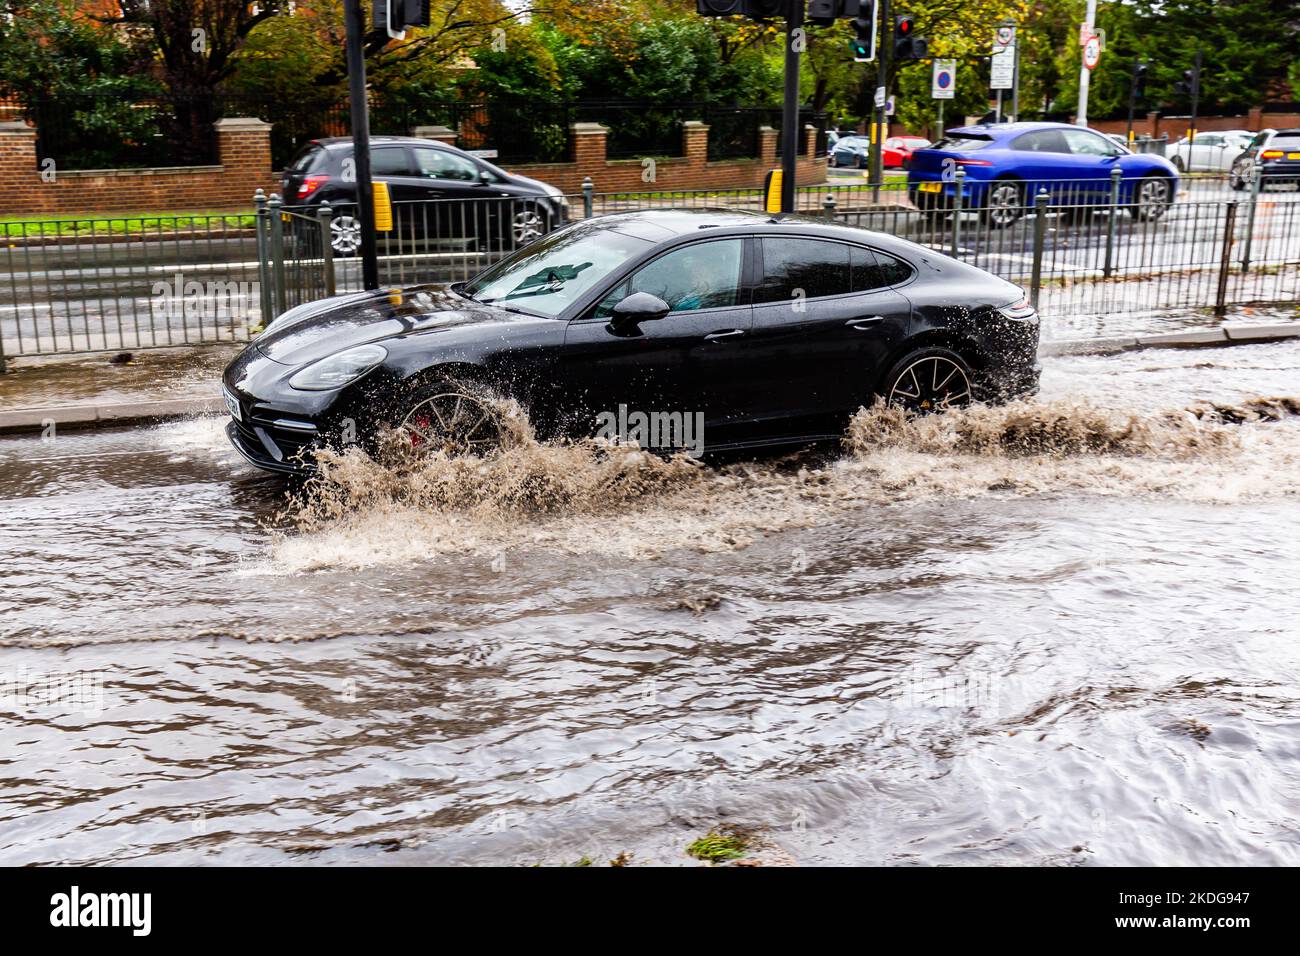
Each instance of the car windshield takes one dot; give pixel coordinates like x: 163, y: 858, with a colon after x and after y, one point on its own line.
x: 549, y: 275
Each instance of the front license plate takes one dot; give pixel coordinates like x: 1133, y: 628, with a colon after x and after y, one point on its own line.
x: 232, y: 405
x: 930, y: 187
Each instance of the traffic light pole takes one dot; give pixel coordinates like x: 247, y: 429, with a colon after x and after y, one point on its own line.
x: 1196, y: 96
x: 1132, y: 99
x: 885, y: 58
x: 790, y: 106
x: 355, y: 22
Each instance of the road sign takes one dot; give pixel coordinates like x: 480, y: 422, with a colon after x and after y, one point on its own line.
x: 1085, y: 31
x: 1002, y: 72
x: 943, y: 82
x: 889, y: 106
x: 1092, y: 52
x: 1005, y: 36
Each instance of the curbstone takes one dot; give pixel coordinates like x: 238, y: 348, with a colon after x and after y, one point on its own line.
x: 1183, y: 340
x: 78, y: 417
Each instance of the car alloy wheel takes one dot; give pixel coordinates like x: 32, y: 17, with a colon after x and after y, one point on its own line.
x: 1179, y: 164
x: 1153, y: 197
x: 1004, y: 203
x: 528, y: 224
x: 345, y: 235
x: 930, y: 381
x: 455, y: 422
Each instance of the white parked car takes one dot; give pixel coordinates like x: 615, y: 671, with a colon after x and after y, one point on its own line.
x: 1209, y: 152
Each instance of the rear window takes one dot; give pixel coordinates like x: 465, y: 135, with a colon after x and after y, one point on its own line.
x: 962, y: 144
x: 307, y: 159
x: 1287, y: 138
x: 803, y: 268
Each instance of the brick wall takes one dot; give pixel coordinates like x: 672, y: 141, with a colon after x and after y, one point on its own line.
x: 691, y: 170
x: 244, y: 164
x: 1156, y: 125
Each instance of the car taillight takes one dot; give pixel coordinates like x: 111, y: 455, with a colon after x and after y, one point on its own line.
x: 973, y: 162
x: 1271, y: 154
x: 311, y: 183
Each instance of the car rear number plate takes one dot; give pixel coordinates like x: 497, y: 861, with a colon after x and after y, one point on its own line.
x: 1293, y: 155
x: 931, y: 187
x: 232, y: 405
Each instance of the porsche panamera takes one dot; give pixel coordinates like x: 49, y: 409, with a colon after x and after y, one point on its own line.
x: 771, y: 331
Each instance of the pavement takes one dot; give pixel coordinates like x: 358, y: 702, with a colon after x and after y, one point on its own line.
x: 155, y: 385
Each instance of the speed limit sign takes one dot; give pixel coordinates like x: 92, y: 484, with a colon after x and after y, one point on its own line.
x: 1092, y: 52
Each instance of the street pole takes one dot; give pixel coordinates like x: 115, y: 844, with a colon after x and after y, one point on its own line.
x: 997, y: 114
x: 355, y: 21
x: 885, y: 57
x: 1015, y: 83
x: 790, y: 108
x: 1132, y: 99
x: 1196, y: 96
x: 1081, y: 117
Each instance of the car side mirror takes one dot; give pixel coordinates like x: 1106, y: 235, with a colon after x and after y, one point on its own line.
x: 636, y: 308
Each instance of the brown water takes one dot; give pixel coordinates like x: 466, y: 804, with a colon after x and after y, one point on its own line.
x: 1058, y: 632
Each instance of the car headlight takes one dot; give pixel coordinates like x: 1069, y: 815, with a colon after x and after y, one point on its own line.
x: 557, y: 197
x: 338, y: 370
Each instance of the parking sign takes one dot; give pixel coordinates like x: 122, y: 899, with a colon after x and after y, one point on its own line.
x: 943, y: 83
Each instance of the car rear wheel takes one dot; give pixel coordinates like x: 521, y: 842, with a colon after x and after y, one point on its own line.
x: 1004, y: 203
x: 1153, y: 198
x: 453, y: 419
x: 1179, y: 164
x: 1237, y: 178
x: 928, y: 380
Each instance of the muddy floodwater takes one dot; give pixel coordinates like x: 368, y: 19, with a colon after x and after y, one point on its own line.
x: 1065, y: 632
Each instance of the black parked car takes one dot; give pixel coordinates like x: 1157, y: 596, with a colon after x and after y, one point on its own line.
x: 481, y: 202
x: 1277, y: 151
x: 774, y: 330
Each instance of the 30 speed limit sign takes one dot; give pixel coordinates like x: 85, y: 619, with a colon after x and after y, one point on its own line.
x: 1092, y: 52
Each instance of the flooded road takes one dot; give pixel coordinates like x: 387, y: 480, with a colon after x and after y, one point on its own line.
x: 1060, y: 633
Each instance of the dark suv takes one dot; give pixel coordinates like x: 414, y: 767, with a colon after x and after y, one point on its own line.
x: 479, y: 202
x: 1278, y: 153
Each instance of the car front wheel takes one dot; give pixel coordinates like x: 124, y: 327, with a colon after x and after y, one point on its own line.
x: 928, y: 380
x: 454, y: 420
x: 1153, y: 197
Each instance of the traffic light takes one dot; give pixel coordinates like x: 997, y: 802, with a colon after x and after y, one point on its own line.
x: 1190, y: 84
x: 907, y: 45
x: 822, y: 13
x: 1140, y: 69
x: 863, y: 43
x: 397, y: 15
x: 754, y: 9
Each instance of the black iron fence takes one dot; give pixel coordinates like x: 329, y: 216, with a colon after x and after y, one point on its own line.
x: 1094, y: 262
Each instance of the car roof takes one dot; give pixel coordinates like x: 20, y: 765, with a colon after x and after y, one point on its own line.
x: 661, y: 225
x: 330, y: 142
x: 1007, y: 129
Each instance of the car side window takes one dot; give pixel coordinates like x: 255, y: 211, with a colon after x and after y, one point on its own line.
x: 389, y: 161
x: 440, y: 164
x: 803, y: 268
x: 876, y: 270
x: 1084, y: 143
x: 1042, y: 141
x: 702, y: 275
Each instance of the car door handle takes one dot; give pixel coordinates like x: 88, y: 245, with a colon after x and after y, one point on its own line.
x: 719, y: 336
x: 863, y: 324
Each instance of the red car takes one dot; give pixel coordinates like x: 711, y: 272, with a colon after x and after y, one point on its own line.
x: 898, y: 150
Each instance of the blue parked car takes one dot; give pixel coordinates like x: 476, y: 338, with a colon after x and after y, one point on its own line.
x: 1006, y: 164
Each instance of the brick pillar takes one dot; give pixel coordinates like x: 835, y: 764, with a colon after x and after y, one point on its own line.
x: 1255, y: 119
x: 20, y: 181
x: 1153, y: 125
x: 244, y: 152
x: 695, y: 144
x: 587, y: 140
x: 439, y: 134
x: 767, y: 146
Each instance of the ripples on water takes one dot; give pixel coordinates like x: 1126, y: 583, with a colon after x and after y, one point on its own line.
x: 1059, y: 632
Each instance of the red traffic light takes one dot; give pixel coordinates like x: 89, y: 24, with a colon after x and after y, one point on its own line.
x: 903, y: 26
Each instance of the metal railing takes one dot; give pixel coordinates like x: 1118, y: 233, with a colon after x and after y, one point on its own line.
x: 1089, y: 255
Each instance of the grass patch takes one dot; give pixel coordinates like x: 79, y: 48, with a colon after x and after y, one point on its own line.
x: 18, y: 227
x: 719, y: 847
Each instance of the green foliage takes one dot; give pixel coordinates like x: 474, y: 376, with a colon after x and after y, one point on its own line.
x: 717, y: 847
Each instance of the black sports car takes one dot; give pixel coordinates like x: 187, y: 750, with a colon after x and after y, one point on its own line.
x: 759, y: 331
